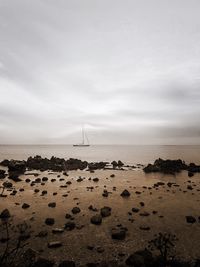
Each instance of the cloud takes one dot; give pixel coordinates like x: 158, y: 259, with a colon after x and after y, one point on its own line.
x: 127, y: 70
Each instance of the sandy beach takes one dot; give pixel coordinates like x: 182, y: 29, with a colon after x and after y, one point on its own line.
x: 156, y: 203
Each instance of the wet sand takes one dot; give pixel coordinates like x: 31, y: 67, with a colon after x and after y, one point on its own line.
x: 92, y: 243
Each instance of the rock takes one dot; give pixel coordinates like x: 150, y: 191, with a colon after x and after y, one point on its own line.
x: 189, y: 187
x: 54, y: 244
x: 125, y: 193
x: 166, y: 166
x: 27, y: 180
x: 5, y: 214
x: 96, y: 219
x: 95, y: 179
x: 25, y: 206
x: 145, y: 228
x: 105, y: 193
x: 7, y: 184
x: 44, y: 179
x: 105, y: 211
x: 57, y: 230
x: 142, y: 204
x: 92, y: 208
x: 142, y: 258
x: 190, y: 219
x: 67, y: 264
x: 69, y: 226
x: 135, y: 210
x: 36, y: 190
x: 145, y: 213
x: 2, y: 174
x: 44, y: 192
x: 49, y: 221
x: 76, y: 210
x: 118, y: 233
x: 52, y: 204
x: 68, y: 216
x: 190, y: 174
x: 41, y: 262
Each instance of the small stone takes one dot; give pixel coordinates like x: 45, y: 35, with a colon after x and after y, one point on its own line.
x: 76, y: 210
x: 25, y: 206
x: 125, y: 193
x: 55, y: 244
x: 49, y: 221
x: 52, y: 204
x: 96, y: 219
x: 190, y: 219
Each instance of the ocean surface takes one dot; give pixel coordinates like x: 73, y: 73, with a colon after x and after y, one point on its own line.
x: 131, y: 154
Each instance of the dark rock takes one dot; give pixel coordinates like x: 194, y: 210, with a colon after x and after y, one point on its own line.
x: 190, y: 219
x: 25, y: 206
x: 76, y: 210
x: 190, y: 174
x: 7, y: 184
x: 5, y: 214
x: 54, y: 244
x: 50, y: 221
x: 166, y: 166
x: 125, y: 193
x: 69, y: 226
x: 2, y: 174
x: 135, y: 210
x: 105, y: 211
x: 52, y: 204
x: 118, y: 233
x: 95, y: 179
x: 96, y: 219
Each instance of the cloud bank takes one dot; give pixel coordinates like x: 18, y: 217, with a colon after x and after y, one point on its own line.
x: 127, y: 70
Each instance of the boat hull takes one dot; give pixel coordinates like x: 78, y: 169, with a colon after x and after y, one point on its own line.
x: 81, y: 145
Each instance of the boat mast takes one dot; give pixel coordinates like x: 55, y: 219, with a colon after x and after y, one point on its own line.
x: 83, y: 136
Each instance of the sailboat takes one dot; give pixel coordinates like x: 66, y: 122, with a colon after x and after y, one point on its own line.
x: 83, y: 144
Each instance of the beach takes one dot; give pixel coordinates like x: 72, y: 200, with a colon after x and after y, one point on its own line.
x: 157, y: 203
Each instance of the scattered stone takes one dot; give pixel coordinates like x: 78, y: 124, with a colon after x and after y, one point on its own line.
x: 50, y: 221
x: 25, y: 206
x: 96, y: 219
x: 5, y: 214
x: 69, y: 226
x: 55, y: 244
x: 190, y: 219
x: 105, y: 211
x: 118, y: 233
x: 125, y: 193
x: 76, y: 210
x: 135, y: 210
x: 52, y: 204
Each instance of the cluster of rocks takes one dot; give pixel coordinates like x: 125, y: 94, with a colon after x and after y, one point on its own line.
x: 17, y: 167
x: 171, y: 167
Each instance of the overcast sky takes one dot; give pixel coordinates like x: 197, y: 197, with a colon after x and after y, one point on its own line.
x: 129, y: 70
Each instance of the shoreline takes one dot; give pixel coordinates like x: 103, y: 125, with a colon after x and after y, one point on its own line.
x: 136, y: 206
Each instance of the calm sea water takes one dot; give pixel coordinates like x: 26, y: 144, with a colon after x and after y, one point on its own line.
x: 128, y: 154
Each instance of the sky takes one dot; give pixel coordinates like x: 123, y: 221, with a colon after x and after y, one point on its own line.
x: 128, y: 70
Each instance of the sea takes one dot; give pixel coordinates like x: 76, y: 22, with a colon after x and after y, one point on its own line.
x: 129, y: 154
